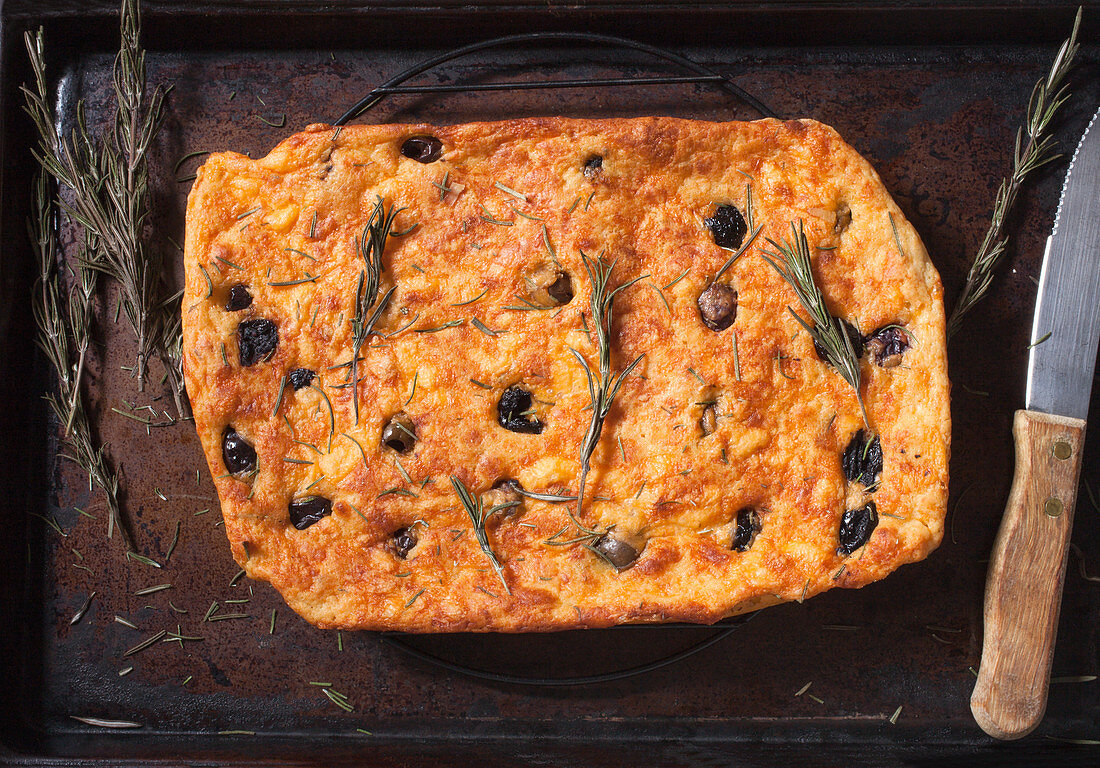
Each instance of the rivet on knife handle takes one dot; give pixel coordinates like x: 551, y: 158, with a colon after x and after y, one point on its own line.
x: 1023, y: 592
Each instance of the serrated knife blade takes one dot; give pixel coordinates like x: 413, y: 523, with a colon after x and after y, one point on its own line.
x: 1023, y: 590
x: 1066, y: 326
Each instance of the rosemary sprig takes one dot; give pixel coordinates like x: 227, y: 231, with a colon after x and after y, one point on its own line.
x: 64, y: 334
x: 475, y: 508
x: 109, y: 179
x: 370, y: 246
x: 602, y: 389
x: 1034, y: 149
x: 826, y: 330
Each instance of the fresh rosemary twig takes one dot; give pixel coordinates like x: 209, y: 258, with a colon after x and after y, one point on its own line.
x: 478, y: 515
x: 602, y: 389
x: 109, y: 181
x: 1034, y: 149
x: 370, y: 247
x: 64, y: 333
x: 827, y: 330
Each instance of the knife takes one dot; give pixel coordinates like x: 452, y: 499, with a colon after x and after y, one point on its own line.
x: 1023, y: 591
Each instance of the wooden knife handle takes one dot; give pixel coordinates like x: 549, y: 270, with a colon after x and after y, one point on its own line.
x: 1023, y: 591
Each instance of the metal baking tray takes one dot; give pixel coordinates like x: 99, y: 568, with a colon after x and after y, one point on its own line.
x: 931, y: 95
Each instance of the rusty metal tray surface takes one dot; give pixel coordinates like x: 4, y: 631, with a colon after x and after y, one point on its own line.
x: 930, y: 95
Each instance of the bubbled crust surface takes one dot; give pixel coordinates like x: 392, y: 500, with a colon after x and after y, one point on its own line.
x: 784, y: 417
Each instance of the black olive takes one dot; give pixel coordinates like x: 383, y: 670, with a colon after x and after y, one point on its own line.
x: 300, y: 377
x: 257, y: 340
x: 856, y: 528
x: 727, y: 225
x: 853, y: 336
x: 885, y: 345
x: 505, y: 491
x: 239, y: 298
x: 400, y: 433
x: 718, y: 306
x: 305, y: 512
x: 592, y: 166
x: 843, y: 218
x: 862, y: 460
x: 422, y: 149
x: 403, y: 541
x: 561, y: 290
x: 709, y: 421
x: 512, y: 410
x: 237, y: 453
x: 748, y: 525
x: 616, y: 551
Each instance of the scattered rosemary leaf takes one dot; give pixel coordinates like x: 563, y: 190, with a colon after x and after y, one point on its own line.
x: 518, y: 195
x: 683, y: 274
x: 285, y: 283
x: 488, y: 217
x: 976, y: 392
x: 479, y: 384
x: 894, y: 717
x: 331, y: 415
x: 271, y: 629
x: 738, y: 253
x: 125, y: 671
x: 82, y: 610
x: 736, y: 357
x: 661, y: 294
x: 100, y: 722
x: 300, y: 253
x: 236, y: 578
x: 471, y: 301
x: 185, y: 158
x: 396, y: 491
x: 437, y: 329
x: 209, y: 283
x: 804, y: 688
x: 228, y: 616
x: 151, y: 590
x: 172, y: 546
x: 1073, y: 679
x: 1040, y: 340
x: 131, y: 555
x: 146, y: 643
x: 413, y: 599
x: 280, y: 124
x: 362, y: 452
x: 484, y: 328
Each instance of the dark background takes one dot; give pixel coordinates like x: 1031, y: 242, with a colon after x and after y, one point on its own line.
x: 930, y: 94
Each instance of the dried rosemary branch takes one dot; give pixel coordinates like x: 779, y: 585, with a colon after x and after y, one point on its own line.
x: 1034, y: 149
x: 602, y: 389
x: 478, y: 515
x: 109, y: 181
x: 370, y: 247
x: 827, y: 330
x: 63, y: 336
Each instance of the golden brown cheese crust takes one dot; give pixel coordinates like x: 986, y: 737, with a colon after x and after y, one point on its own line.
x: 783, y: 416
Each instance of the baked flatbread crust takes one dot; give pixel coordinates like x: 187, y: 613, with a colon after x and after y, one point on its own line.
x: 505, y: 203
